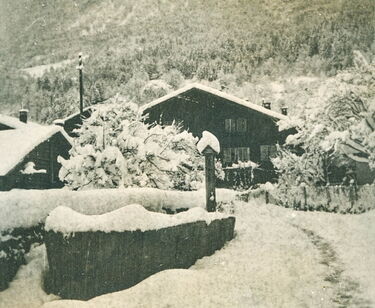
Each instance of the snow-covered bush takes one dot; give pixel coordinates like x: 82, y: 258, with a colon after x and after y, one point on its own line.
x: 155, y: 89
x: 335, y: 133
x: 14, y: 244
x: 174, y: 78
x: 116, y: 148
x: 295, y: 169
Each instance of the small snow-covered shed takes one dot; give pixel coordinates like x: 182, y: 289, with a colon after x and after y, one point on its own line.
x: 246, y: 131
x: 28, y: 156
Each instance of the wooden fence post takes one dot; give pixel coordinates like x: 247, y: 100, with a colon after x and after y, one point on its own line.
x: 209, y: 155
x: 328, y: 194
x: 352, y: 196
x: 305, y: 196
x: 209, y: 146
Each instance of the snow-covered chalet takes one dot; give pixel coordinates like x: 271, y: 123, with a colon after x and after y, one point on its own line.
x: 29, y: 151
x: 247, y: 132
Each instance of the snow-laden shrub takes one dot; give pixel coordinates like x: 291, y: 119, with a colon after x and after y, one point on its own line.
x: 295, y: 169
x: 116, y: 148
x: 14, y: 244
x: 174, y: 78
x: 155, y: 89
x: 336, y: 133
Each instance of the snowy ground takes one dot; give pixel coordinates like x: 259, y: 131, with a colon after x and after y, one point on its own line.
x: 279, y: 258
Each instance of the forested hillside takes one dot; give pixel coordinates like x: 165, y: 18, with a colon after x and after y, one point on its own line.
x: 143, y: 49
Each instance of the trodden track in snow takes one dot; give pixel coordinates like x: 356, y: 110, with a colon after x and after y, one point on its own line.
x: 345, y: 289
x: 279, y: 258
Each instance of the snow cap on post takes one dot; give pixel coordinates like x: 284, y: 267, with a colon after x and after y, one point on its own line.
x: 208, y: 141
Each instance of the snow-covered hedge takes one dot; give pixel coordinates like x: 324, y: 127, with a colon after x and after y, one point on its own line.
x: 14, y: 244
x: 26, y: 208
x: 337, y: 199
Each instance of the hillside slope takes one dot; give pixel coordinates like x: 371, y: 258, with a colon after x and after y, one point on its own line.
x: 128, y: 43
x: 40, y: 32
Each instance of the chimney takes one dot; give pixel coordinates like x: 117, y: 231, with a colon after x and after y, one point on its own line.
x: 23, y: 115
x: 267, y: 105
x: 284, y: 110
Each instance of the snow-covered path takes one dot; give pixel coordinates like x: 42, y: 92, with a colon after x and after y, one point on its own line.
x: 346, y: 291
x: 351, y: 239
x: 279, y: 258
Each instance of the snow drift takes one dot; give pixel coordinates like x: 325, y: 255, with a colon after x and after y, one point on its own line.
x: 129, y: 218
x: 26, y: 208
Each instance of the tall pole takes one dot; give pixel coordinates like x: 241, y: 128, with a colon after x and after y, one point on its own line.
x: 80, y: 69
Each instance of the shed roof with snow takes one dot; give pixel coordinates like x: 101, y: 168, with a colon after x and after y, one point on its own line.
x: 28, y: 143
x: 17, y: 143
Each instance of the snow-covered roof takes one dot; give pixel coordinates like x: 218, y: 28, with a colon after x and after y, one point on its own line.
x: 218, y: 93
x: 73, y: 115
x: 15, y: 144
x: 13, y: 122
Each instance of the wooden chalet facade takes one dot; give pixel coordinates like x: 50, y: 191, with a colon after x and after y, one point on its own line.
x: 28, y: 156
x: 246, y: 131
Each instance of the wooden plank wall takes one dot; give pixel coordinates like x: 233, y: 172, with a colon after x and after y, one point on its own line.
x: 89, y: 264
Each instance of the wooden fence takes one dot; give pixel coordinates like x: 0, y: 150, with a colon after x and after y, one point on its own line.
x: 353, y: 199
x: 92, y: 263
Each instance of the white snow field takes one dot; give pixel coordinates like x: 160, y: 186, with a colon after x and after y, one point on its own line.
x: 279, y: 258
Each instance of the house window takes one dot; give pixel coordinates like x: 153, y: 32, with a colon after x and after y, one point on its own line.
x: 227, y: 155
x: 236, y: 125
x: 267, y: 152
x: 233, y: 155
x: 243, y: 154
x: 230, y: 125
x: 241, y: 125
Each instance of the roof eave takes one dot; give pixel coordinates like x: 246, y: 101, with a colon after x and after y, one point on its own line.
x: 229, y: 97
